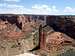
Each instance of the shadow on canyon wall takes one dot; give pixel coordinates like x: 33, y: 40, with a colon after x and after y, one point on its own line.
x: 65, y: 25
x: 11, y: 20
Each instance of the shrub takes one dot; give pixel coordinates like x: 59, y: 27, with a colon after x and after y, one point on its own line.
x: 70, y: 52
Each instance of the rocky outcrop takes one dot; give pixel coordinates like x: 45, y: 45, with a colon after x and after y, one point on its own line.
x: 55, y: 41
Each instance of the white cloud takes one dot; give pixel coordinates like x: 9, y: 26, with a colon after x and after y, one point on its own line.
x: 35, y: 9
x: 54, y: 9
x: 19, y: 9
x: 2, y: 4
x: 43, y: 9
x: 12, y: 0
x: 69, y: 10
x: 13, y: 8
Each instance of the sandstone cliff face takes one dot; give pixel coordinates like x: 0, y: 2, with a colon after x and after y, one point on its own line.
x: 15, y: 34
x: 19, y: 33
x: 14, y: 26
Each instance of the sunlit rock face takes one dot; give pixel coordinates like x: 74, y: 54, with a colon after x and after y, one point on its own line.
x: 15, y: 25
x: 16, y: 34
x: 55, y: 41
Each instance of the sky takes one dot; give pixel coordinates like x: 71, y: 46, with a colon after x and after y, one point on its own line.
x: 44, y: 7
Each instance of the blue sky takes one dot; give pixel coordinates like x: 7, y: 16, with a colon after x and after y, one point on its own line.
x: 46, y: 7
